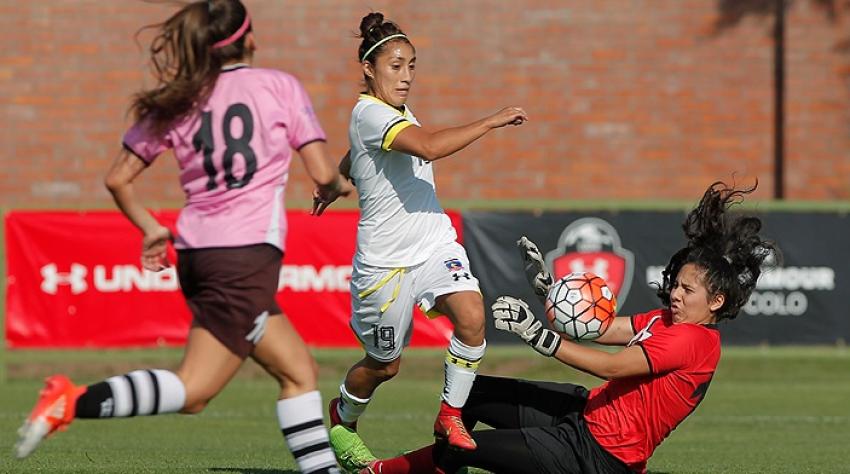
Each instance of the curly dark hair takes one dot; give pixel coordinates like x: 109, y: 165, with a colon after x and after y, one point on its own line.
x: 728, y: 249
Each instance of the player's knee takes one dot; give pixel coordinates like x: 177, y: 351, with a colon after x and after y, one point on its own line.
x: 389, y: 372
x: 469, y: 324
x: 305, y: 378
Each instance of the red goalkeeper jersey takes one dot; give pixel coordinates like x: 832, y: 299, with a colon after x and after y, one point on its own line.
x: 630, y: 417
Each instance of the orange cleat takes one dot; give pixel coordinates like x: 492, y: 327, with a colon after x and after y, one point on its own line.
x: 449, y: 427
x: 53, y: 411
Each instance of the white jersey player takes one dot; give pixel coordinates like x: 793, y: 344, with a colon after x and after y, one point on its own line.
x: 407, y: 252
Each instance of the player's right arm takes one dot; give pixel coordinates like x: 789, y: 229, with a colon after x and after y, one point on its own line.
x: 619, y: 333
x: 430, y: 146
x: 119, y: 182
x: 513, y: 315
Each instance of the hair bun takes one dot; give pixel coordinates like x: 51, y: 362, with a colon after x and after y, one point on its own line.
x: 370, y: 21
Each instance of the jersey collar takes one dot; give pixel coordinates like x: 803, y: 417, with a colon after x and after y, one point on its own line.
x: 234, y: 67
x: 372, y: 98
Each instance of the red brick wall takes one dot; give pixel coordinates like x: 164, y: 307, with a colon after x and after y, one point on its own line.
x: 627, y: 99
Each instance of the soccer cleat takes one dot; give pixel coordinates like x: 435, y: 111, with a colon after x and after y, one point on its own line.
x: 450, y: 428
x: 53, y: 411
x: 351, y: 452
x: 333, y: 412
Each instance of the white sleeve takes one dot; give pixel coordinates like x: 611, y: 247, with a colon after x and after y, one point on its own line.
x: 378, y: 125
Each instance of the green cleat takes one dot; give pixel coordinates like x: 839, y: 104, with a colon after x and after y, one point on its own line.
x: 351, y: 452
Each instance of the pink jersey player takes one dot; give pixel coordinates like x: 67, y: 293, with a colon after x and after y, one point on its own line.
x: 234, y: 157
x: 232, y: 129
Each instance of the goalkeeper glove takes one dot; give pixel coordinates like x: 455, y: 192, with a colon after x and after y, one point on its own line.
x: 535, y: 268
x: 513, y: 315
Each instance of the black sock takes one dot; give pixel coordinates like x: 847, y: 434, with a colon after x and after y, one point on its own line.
x: 96, y: 402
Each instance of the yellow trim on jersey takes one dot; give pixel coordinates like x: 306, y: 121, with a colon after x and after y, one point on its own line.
x: 379, y: 101
x: 460, y: 362
x: 389, y: 137
x: 386, y: 279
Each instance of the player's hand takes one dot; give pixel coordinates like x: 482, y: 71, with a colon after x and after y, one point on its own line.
x: 325, y: 196
x: 155, y: 249
x: 535, y: 268
x: 507, y: 116
x: 513, y: 315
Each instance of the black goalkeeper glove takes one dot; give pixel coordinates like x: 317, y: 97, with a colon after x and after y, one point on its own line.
x: 513, y: 315
x: 535, y: 268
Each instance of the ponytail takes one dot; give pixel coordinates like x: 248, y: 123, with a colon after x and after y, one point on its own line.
x: 184, y: 62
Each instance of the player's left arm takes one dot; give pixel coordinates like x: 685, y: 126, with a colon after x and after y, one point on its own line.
x: 619, y: 333
x: 431, y: 146
x: 629, y: 362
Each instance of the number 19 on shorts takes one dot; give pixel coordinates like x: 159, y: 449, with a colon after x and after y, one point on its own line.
x: 383, y: 337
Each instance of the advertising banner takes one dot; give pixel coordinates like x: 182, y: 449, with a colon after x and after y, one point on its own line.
x: 74, y: 280
x: 797, y: 300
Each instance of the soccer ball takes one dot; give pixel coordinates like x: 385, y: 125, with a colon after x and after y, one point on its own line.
x: 580, y: 306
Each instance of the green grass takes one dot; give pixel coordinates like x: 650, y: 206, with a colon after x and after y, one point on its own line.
x: 768, y: 410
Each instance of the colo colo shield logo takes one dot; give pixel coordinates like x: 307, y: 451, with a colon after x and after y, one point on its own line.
x: 593, y: 245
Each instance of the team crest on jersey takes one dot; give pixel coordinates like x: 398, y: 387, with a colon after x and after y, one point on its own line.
x: 454, y: 265
x: 593, y: 245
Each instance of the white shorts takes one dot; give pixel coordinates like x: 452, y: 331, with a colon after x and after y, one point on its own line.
x: 382, y: 299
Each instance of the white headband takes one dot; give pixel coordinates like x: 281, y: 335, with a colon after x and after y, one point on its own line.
x: 390, y: 37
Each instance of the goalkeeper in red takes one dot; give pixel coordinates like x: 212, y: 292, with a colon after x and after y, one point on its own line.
x: 657, y: 380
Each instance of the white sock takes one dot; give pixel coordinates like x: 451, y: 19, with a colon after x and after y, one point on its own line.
x: 300, y: 420
x: 461, y: 366
x: 350, y: 407
x: 144, y: 392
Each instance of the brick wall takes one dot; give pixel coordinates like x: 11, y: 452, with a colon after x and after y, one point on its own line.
x: 627, y: 99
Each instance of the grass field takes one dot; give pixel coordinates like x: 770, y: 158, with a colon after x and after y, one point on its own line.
x: 768, y: 410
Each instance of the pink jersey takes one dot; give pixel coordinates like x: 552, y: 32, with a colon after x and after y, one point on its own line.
x: 234, y: 157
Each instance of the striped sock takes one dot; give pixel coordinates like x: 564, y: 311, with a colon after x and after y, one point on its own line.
x: 142, y: 392
x: 300, y: 421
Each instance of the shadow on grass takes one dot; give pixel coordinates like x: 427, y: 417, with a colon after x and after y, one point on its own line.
x: 248, y: 470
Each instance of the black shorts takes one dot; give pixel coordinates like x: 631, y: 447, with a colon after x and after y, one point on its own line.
x: 539, y: 427
x: 227, y: 289
x: 552, y: 419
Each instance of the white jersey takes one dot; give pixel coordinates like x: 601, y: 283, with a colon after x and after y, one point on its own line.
x: 401, y: 221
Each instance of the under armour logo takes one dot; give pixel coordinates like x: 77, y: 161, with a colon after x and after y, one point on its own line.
x: 259, y: 328
x: 599, y: 267
x: 76, y: 278
x: 644, y: 333
x: 458, y: 276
